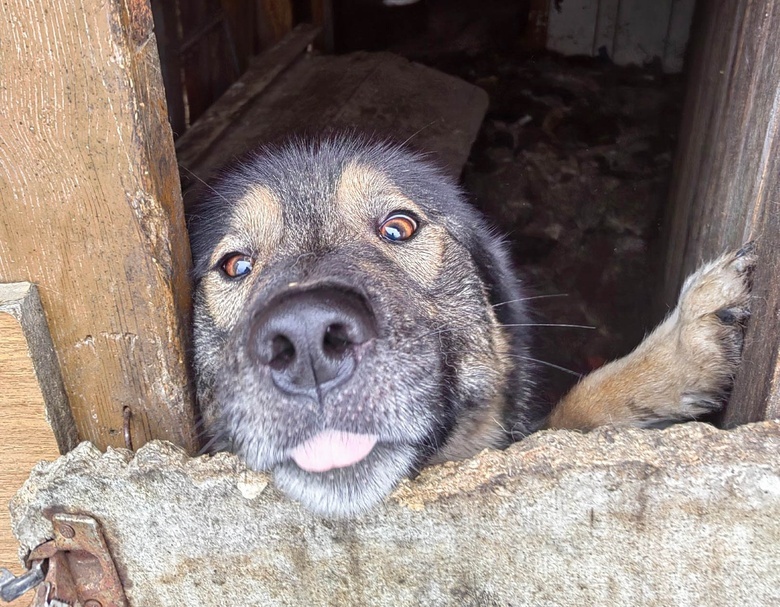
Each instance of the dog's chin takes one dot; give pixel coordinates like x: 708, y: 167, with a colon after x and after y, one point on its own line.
x: 352, y: 490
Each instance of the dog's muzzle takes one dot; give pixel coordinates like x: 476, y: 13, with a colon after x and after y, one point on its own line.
x: 309, y: 340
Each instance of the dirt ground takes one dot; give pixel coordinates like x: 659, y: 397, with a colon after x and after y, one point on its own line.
x: 573, y: 163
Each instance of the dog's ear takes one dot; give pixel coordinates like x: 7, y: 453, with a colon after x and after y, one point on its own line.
x: 492, y: 260
x: 508, y: 300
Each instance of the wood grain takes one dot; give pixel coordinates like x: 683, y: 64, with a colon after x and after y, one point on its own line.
x: 726, y: 185
x: 202, y: 136
x: 375, y: 93
x: 34, y: 416
x: 92, y: 210
x: 322, y: 16
x: 275, y: 20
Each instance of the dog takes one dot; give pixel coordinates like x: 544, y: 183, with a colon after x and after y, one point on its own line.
x: 356, y: 319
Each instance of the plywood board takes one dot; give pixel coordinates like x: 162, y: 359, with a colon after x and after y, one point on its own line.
x: 571, y: 26
x: 34, y: 416
x: 92, y: 210
x: 678, y: 35
x: 630, y: 31
x: 640, y: 35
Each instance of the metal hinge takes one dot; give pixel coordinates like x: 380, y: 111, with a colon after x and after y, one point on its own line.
x: 74, y: 569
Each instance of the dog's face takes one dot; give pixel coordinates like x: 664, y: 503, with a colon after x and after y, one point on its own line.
x: 346, y: 327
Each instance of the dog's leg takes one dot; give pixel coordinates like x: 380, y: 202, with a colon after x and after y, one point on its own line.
x: 683, y: 368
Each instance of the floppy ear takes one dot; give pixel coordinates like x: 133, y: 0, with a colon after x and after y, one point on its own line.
x: 508, y: 299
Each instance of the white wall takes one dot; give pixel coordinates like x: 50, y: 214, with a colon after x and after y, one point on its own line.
x: 631, y: 31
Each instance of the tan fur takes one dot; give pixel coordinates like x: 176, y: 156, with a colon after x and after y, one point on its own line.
x: 484, y: 428
x: 680, y: 369
x: 257, y: 223
x: 479, y: 430
x: 363, y: 194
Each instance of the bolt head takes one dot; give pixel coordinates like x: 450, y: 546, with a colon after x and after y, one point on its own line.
x: 66, y: 531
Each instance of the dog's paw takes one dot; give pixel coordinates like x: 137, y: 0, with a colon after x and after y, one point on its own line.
x: 710, y: 321
x: 684, y: 368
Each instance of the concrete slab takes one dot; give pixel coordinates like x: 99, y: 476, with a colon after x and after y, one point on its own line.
x: 685, y: 516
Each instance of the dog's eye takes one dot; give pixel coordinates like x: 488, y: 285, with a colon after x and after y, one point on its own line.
x: 236, y: 265
x: 398, y: 227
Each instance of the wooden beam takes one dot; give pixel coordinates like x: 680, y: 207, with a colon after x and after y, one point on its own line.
x: 92, y: 211
x: 35, y: 421
x: 535, y: 38
x: 726, y: 185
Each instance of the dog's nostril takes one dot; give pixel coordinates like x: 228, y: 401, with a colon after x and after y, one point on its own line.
x: 282, y: 352
x: 336, y: 340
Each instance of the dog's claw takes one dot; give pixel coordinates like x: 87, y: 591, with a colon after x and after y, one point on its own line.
x: 747, y: 248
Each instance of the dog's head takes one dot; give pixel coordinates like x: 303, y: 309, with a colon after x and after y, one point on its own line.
x: 346, y: 326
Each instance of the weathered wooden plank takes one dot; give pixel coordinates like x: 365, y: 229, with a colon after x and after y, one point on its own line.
x: 322, y: 16
x: 375, y: 93
x: 35, y: 421
x: 241, y: 17
x: 92, y: 210
x: 726, y: 185
x: 262, y: 71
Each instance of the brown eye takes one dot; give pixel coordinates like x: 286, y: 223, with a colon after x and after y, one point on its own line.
x: 398, y: 227
x: 236, y: 265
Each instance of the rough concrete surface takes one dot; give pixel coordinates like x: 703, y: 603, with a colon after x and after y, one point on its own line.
x: 684, y: 516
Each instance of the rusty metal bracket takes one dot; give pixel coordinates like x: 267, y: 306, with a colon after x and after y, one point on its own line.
x: 81, y: 572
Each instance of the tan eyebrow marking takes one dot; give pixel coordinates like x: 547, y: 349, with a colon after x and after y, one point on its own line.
x: 364, y: 194
x: 362, y: 191
x: 256, y: 220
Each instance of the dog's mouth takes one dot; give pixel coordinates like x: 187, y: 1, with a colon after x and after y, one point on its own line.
x: 341, y: 474
x: 332, y: 449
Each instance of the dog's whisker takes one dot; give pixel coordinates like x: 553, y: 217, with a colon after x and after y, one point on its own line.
x: 192, y: 174
x: 429, y: 333
x: 210, y: 443
x: 548, y: 364
x: 531, y: 298
x: 418, y: 131
x: 548, y: 324
x: 499, y: 424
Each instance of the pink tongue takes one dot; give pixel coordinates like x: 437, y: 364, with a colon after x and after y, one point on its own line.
x: 332, y: 449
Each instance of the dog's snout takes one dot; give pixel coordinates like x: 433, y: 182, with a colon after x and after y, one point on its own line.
x: 308, y: 338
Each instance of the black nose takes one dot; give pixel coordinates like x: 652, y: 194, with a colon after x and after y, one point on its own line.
x: 308, y: 338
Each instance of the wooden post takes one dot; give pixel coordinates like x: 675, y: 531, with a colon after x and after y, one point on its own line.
x: 726, y: 187
x: 275, y: 19
x: 92, y: 211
